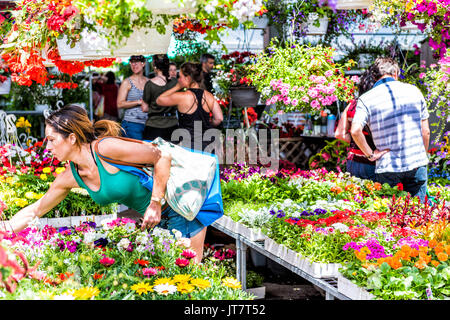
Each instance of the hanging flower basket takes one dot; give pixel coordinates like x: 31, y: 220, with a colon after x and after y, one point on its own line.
x: 145, y: 42
x: 311, y: 29
x: 68, y: 53
x: 353, y: 4
x: 172, y: 7
x: 244, y: 96
x: 5, y: 86
x: 141, y: 42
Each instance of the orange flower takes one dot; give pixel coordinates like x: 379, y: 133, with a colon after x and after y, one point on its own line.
x: 97, y: 276
x: 420, y: 264
x: 442, y: 256
x: 377, y: 186
x: 439, y: 248
x: 447, y: 249
x: 435, y: 263
x: 414, y: 253
x: 432, y: 243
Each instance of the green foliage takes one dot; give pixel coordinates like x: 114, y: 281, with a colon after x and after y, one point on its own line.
x: 332, y: 157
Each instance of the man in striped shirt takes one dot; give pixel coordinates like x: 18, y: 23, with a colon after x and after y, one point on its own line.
x: 396, y: 114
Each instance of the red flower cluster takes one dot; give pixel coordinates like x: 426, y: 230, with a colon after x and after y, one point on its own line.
x: 339, y: 216
x: 183, y: 24
x: 65, y: 85
x: 251, y: 114
x: 237, y: 56
x: 101, y: 63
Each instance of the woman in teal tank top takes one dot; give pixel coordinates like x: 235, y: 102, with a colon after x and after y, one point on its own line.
x: 71, y: 136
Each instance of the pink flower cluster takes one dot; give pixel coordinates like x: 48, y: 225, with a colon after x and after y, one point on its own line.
x: 318, y: 95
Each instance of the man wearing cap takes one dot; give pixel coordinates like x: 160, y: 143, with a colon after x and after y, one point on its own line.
x: 130, y: 99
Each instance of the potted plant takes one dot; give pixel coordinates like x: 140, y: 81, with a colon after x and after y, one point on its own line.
x: 231, y: 79
x: 296, y: 77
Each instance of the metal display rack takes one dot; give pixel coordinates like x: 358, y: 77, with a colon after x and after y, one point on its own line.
x: 329, y: 285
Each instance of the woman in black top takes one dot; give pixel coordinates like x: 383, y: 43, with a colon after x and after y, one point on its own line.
x: 196, y: 106
x: 161, y: 121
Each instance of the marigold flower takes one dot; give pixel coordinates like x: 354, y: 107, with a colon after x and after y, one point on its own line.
x: 435, y: 263
x: 162, y: 281
x: 200, y: 283
x: 432, y: 243
x: 86, y: 293
x: 231, y: 283
x: 420, y: 264
x: 185, y: 287
x: 181, y: 278
x: 439, y: 248
x: 442, y: 256
x: 141, y: 288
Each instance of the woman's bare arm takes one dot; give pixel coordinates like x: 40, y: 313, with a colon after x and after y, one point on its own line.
x: 343, y: 128
x: 122, y: 96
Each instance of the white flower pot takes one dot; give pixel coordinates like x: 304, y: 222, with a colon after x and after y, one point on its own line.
x: 68, y: 53
x: 75, y: 220
x: 259, y: 292
x: 41, y: 107
x: 260, y: 22
x: 311, y: 29
x: 172, y: 7
x: 145, y: 42
x: 5, y: 87
x: 353, y: 4
x: 351, y: 290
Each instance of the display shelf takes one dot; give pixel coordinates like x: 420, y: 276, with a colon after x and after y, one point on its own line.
x: 329, y: 285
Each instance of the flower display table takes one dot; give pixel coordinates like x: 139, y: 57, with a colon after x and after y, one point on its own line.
x: 351, y: 290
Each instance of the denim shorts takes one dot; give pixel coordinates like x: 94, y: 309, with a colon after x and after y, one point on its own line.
x: 361, y: 170
x: 172, y: 220
x: 133, y: 130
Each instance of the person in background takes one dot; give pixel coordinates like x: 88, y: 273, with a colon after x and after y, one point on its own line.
x: 397, y: 116
x: 109, y: 89
x: 173, y: 73
x: 194, y: 105
x: 161, y: 121
x: 130, y: 98
x: 357, y: 164
x: 207, y: 61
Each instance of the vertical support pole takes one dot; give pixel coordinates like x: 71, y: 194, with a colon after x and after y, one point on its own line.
x: 241, y: 263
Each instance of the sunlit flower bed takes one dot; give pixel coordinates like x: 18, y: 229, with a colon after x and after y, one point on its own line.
x: 112, y: 261
x: 364, y: 226
x: 25, y: 176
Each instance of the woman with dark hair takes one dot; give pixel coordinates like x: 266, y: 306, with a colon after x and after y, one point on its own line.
x: 357, y: 164
x: 109, y: 89
x: 130, y: 99
x: 161, y: 121
x: 71, y: 136
x: 195, y: 105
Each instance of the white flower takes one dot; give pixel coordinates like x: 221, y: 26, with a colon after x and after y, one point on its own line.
x: 90, y: 237
x: 123, y: 244
x: 129, y: 227
x: 165, y: 289
x: 177, y: 234
x: 184, y: 242
x: 340, y: 226
x: 64, y: 296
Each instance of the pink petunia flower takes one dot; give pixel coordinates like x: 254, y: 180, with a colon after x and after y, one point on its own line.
x: 107, y: 262
x: 182, y: 262
x: 188, y: 254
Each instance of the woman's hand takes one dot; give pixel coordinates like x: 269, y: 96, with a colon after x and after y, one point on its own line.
x: 152, y: 215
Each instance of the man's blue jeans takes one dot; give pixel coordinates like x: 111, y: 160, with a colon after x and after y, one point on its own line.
x: 414, y: 181
x: 361, y: 170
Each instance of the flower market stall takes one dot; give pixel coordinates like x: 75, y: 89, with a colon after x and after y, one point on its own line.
x: 285, y: 190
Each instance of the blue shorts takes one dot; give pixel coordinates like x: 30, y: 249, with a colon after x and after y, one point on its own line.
x: 172, y: 220
x: 133, y: 130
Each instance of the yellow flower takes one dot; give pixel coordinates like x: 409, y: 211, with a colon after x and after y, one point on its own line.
x: 22, y: 123
x: 163, y: 281
x: 60, y: 170
x: 21, y: 202
x: 37, y: 196
x: 10, y: 180
x: 141, y: 288
x: 86, y: 293
x: 43, y: 176
x: 231, y: 283
x: 47, y: 170
x: 201, y: 283
x: 185, y: 287
x: 30, y: 195
x: 181, y: 278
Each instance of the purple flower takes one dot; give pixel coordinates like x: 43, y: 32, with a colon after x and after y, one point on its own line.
x: 71, y: 246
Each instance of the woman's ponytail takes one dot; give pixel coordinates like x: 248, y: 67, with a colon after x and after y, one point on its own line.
x: 104, y: 128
